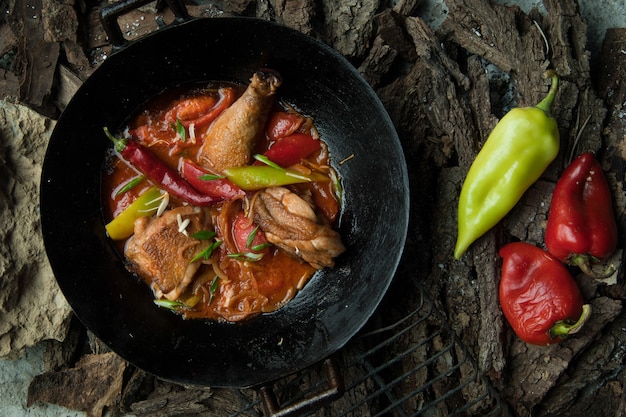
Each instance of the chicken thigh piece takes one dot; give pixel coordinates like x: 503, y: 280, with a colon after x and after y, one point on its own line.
x: 161, y: 250
x: 229, y: 142
x: 290, y: 223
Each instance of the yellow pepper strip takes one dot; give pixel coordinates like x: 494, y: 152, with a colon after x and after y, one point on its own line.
x: 517, y: 152
x: 256, y: 177
x: 146, y: 204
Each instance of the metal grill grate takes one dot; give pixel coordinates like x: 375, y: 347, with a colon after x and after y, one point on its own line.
x: 387, y: 374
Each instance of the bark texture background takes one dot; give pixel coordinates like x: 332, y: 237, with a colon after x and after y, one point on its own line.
x: 445, y: 89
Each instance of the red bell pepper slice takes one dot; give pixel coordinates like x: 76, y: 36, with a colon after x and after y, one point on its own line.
x: 539, y: 298
x: 283, y: 124
x: 221, y: 189
x: 581, y: 227
x: 247, y: 235
x: 292, y: 149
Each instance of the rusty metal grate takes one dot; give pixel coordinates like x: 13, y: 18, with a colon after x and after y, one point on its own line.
x: 385, y: 375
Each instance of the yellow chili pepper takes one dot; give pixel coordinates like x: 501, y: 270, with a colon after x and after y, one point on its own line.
x: 518, y: 150
x: 146, y: 204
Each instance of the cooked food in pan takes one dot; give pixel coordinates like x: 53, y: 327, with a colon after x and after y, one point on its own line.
x: 222, y: 199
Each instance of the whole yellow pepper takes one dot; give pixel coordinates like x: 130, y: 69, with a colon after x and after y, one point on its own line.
x: 518, y: 150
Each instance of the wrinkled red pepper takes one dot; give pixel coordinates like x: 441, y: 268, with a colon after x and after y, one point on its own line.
x: 162, y: 175
x: 538, y: 295
x: 581, y: 227
x: 219, y: 188
x: 291, y: 149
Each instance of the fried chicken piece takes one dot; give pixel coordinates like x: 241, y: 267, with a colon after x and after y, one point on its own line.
x: 160, y: 252
x: 290, y: 223
x: 230, y: 141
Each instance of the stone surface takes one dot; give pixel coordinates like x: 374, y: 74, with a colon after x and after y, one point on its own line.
x: 32, y: 307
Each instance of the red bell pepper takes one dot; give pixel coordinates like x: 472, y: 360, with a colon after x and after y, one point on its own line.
x: 291, y: 149
x: 283, y: 124
x: 538, y: 295
x: 581, y: 227
x: 218, y: 188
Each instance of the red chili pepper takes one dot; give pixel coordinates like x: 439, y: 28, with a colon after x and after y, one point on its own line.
x: 538, y: 295
x: 159, y: 173
x: 283, y: 124
x: 581, y: 226
x: 291, y: 149
x: 219, y: 188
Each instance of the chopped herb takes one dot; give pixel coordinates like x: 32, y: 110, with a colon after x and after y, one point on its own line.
x: 213, y: 288
x: 267, y: 161
x: 260, y: 247
x: 251, y: 237
x: 169, y: 304
x: 130, y: 185
x: 210, y: 177
x: 204, y: 235
x: 246, y: 256
x: 207, y: 252
x: 179, y: 128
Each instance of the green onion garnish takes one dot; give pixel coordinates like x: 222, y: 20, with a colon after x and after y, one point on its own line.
x: 169, y: 304
x: 213, y: 288
x: 210, y: 177
x: 260, y: 247
x: 267, y: 161
x: 204, y: 235
x: 130, y: 185
x: 207, y: 252
x: 180, y: 130
x: 251, y: 237
x: 246, y: 256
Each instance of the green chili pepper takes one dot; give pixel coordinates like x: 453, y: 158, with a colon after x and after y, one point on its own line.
x: 255, y: 177
x: 516, y: 153
x: 146, y: 204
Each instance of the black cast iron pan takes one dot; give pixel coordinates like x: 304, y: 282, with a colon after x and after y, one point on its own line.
x: 117, y: 307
